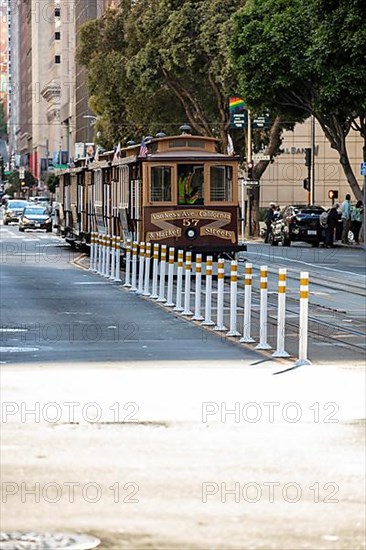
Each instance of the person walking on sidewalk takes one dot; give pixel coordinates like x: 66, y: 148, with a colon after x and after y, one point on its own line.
x: 331, y: 224
x: 346, y: 218
x: 268, y: 220
x: 356, y: 220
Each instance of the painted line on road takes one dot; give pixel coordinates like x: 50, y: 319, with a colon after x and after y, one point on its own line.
x: 312, y: 265
x: 76, y: 263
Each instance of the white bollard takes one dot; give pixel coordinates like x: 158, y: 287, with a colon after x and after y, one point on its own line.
x: 91, y: 260
x: 187, y: 285
x: 233, y: 331
x: 113, y: 258
x: 103, y: 243
x: 208, y: 322
x: 95, y: 254
x: 98, y: 258
x: 106, y: 250
x: 246, y: 338
x: 197, y: 299
x: 154, y: 290
x: 220, y: 296
x: 178, y: 301
x: 303, y: 322
x: 128, y: 265
x: 146, y: 291
x: 281, y: 314
x: 169, y: 302
x: 263, y: 314
x: 134, y: 267
x: 100, y: 253
x: 162, y: 274
x: 117, y: 251
x: 140, y: 288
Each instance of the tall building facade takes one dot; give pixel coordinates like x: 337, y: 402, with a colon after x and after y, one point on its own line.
x: 48, y: 93
x: 4, y: 54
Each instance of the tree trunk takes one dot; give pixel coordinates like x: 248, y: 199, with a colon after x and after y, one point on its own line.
x: 336, y: 136
x: 259, y: 169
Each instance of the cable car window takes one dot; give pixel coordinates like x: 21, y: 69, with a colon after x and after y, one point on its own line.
x: 176, y: 143
x: 161, y: 184
x: 196, y: 144
x: 190, y: 184
x: 221, y: 188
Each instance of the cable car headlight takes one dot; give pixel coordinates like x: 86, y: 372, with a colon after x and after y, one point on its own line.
x: 191, y: 233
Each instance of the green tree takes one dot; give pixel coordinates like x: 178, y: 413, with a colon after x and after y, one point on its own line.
x: 52, y: 181
x: 306, y: 58
x: 152, y: 65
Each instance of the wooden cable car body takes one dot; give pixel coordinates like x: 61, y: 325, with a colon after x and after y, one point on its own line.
x: 181, y: 193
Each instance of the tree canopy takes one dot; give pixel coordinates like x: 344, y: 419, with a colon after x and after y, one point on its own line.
x: 304, y: 58
x: 154, y: 65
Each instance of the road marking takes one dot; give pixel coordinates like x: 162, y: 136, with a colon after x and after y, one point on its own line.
x: 311, y: 265
x: 16, y: 350
x: 91, y: 283
x: 13, y: 330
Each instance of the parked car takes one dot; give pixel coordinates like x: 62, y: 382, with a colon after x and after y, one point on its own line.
x: 13, y: 210
x: 35, y: 217
x: 298, y: 223
x: 42, y: 200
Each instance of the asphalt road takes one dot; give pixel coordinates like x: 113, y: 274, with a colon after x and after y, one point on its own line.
x: 123, y: 421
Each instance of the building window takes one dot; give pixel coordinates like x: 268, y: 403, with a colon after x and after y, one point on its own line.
x: 221, y: 188
x: 58, y: 59
x: 161, y: 184
x: 57, y: 12
x: 57, y: 36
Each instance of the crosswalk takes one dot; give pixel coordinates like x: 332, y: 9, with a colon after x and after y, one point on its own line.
x: 6, y: 234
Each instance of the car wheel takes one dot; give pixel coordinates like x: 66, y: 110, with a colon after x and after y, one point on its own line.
x: 49, y: 229
x: 21, y: 229
x: 6, y: 222
x: 315, y: 244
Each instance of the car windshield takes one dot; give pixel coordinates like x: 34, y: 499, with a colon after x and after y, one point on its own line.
x: 35, y: 211
x: 17, y: 204
x: 308, y: 209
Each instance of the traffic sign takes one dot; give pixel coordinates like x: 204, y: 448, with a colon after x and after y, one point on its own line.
x: 260, y: 156
x: 363, y: 169
x: 261, y: 121
x: 238, y: 120
x: 248, y: 182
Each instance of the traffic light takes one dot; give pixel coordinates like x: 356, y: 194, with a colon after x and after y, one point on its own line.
x: 332, y: 194
x: 250, y: 167
x: 308, y: 156
x: 306, y: 184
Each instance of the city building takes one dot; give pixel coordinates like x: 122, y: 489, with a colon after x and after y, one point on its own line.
x: 4, y: 54
x: 283, y: 180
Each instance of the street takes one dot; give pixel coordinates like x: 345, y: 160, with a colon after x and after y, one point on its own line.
x: 124, y: 421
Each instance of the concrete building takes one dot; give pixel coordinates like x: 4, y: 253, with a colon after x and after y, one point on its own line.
x: 48, y: 94
x: 283, y: 180
x: 4, y: 54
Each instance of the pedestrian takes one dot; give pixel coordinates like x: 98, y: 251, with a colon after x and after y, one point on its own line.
x: 356, y: 220
x: 331, y: 224
x: 346, y: 218
x: 268, y: 220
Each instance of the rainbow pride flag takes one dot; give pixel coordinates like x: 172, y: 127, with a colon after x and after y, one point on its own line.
x: 236, y: 103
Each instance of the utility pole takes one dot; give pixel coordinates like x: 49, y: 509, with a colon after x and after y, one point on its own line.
x: 312, y: 173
